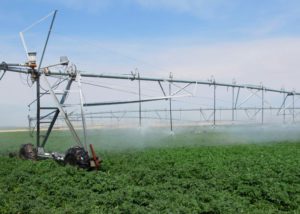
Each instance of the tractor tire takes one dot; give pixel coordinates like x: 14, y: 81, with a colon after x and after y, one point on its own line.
x: 77, y: 156
x: 28, y: 152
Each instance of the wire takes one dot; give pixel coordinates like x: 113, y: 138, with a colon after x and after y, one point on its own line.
x: 47, y: 91
x: 97, y: 45
x: 108, y: 87
x: 55, y: 84
x: 135, y: 93
x: 23, y: 80
x: 28, y: 82
x: 37, y: 22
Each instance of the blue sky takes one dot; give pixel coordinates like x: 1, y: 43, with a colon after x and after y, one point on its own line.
x: 151, y: 34
x: 251, y: 41
x: 214, y: 20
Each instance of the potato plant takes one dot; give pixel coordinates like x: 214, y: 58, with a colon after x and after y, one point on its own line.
x: 249, y: 178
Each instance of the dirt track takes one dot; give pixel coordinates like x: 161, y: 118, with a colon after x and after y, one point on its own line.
x: 13, y: 130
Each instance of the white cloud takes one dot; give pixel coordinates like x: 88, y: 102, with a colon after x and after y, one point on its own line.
x: 275, y: 62
x: 265, y: 27
x: 271, y: 61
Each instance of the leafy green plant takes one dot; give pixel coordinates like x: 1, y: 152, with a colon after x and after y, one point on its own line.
x: 195, y: 178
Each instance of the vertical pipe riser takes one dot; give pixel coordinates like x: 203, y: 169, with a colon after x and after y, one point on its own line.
x: 38, y: 110
x: 232, y: 116
x: 293, y: 108
x: 170, y: 109
x: 262, y: 106
x: 140, y: 104
x: 214, y: 105
x: 284, y: 99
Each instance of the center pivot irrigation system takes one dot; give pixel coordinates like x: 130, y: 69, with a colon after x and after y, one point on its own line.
x: 79, y: 155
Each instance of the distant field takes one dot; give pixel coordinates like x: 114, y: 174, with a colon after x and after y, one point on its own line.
x: 144, y: 171
x: 114, y: 140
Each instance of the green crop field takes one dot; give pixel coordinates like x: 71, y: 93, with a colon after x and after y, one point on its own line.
x: 154, y: 172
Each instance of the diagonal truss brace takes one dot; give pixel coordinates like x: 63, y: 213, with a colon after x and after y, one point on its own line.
x: 60, y: 108
x: 182, y: 89
x: 284, y: 107
x: 2, y: 75
x: 162, y: 89
x: 251, y: 117
x: 62, y: 101
x: 78, y: 79
x: 249, y: 97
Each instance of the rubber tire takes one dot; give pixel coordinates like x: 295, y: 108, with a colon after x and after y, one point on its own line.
x: 77, y: 156
x: 28, y: 152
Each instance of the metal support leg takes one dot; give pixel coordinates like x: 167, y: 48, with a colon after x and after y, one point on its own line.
x: 78, y: 78
x: 293, y: 108
x: 140, y: 103
x: 232, y: 116
x: 284, y: 99
x: 214, y: 105
x: 236, y: 102
x: 262, y: 105
x: 38, y: 109
x: 170, y: 103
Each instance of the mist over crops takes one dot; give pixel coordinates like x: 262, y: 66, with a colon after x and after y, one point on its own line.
x: 122, y: 139
x: 251, y: 169
x: 142, y: 138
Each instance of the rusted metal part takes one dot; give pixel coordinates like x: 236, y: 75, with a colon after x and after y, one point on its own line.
x: 96, y: 160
